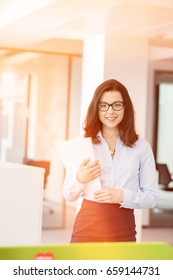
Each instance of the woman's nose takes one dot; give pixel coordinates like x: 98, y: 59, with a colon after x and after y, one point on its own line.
x: 110, y: 110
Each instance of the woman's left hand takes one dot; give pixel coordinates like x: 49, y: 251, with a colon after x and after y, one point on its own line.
x: 109, y: 195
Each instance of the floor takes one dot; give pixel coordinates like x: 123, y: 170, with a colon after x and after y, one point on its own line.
x: 52, y: 235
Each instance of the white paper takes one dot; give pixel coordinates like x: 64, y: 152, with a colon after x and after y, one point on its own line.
x: 72, y: 153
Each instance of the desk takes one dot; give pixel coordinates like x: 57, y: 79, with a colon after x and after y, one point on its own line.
x: 21, y: 192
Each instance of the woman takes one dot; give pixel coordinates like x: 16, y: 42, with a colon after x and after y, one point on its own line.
x: 125, y: 164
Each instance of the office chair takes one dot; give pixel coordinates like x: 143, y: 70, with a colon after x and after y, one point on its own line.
x: 43, y: 164
x: 164, y: 176
x: 40, y: 163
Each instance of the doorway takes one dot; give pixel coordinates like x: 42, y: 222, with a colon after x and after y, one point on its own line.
x: 162, y: 214
x: 164, y: 95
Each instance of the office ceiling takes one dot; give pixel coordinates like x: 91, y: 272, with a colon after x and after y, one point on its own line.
x: 28, y: 24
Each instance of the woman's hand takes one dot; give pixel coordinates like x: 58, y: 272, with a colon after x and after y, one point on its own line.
x: 88, y: 171
x: 109, y: 195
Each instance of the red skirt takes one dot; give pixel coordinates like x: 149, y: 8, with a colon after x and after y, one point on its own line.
x: 104, y: 222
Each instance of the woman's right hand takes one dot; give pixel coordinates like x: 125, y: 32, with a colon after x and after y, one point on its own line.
x: 88, y: 171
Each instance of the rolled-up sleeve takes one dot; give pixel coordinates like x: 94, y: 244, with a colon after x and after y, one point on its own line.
x: 72, y: 189
x: 147, y: 193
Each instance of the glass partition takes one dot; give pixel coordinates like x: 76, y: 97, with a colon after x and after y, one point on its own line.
x: 39, y: 103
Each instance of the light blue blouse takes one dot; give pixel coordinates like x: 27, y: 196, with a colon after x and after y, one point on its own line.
x: 132, y: 170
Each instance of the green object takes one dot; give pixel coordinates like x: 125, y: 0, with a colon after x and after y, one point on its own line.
x: 91, y: 251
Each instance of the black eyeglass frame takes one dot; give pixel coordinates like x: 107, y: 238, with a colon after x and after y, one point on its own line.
x: 111, y: 105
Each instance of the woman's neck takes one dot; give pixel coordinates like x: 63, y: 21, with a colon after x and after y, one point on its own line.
x: 110, y: 137
x: 110, y: 133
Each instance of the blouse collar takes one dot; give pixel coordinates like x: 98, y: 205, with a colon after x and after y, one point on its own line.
x: 100, y: 136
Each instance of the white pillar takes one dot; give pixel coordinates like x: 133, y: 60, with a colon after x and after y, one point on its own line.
x: 92, y: 69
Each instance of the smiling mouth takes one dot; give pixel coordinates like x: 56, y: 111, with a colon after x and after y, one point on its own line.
x: 111, y: 118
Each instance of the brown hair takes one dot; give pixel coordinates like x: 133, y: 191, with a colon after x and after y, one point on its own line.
x: 92, y: 124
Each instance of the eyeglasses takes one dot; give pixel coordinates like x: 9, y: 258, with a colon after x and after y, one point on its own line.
x: 116, y: 106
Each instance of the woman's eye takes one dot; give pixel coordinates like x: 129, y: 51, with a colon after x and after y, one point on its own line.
x: 103, y: 106
x: 117, y: 105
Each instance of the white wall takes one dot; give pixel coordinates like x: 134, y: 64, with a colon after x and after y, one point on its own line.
x: 126, y: 59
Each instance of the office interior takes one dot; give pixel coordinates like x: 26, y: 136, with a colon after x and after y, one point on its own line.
x: 53, y: 54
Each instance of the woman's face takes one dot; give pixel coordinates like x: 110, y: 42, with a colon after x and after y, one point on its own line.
x: 111, y: 118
